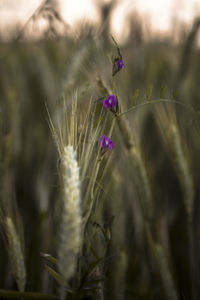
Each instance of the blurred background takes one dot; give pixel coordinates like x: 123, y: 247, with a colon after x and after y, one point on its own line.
x: 166, y: 18
x: 53, y: 50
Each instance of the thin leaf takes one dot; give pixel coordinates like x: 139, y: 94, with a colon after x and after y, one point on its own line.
x: 135, y: 95
x: 175, y: 94
x: 96, y: 123
x: 118, y: 49
x: 149, y: 92
x: 54, y: 274
x: 50, y: 258
x: 98, y: 109
x: 92, y: 266
x: 162, y: 92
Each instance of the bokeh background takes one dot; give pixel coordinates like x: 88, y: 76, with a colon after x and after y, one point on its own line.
x: 163, y: 18
x: 55, y: 50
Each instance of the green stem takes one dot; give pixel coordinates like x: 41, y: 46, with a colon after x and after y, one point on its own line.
x: 156, y: 102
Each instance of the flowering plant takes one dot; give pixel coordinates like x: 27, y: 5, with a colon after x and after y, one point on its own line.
x: 106, y: 142
x: 120, y: 64
x: 110, y: 101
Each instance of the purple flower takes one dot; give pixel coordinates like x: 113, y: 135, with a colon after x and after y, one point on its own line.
x: 110, y: 101
x: 106, y: 142
x: 120, y: 64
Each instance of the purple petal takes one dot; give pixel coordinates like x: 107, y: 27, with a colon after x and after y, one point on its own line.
x: 111, y: 145
x: 105, y: 103
x: 120, y: 64
x: 106, y: 142
x: 102, y: 141
x: 112, y: 100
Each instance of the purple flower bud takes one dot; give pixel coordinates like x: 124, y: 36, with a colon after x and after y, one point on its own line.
x: 106, y: 142
x: 110, y: 101
x: 120, y: 64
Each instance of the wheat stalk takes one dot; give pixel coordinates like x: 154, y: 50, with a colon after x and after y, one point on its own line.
x: 16, y: 254
x: 187, y: 186
x: 70, y: 228
x: 147, y: 207
x: 183, y: 170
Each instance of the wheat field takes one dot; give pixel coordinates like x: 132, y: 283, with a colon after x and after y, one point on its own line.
x: 100, y: 168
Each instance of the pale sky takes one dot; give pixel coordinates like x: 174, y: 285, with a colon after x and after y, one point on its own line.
x: 159, y: 12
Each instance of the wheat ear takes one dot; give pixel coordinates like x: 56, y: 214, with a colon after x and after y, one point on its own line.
x: 183, y: 171
x: 70, y: 229
x: 16, y: 254
x: 147, y: 207
x: 186, y: 181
